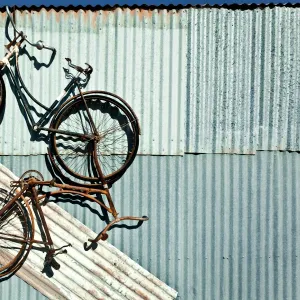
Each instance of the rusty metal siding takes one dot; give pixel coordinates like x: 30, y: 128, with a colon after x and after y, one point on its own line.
x: 221, y: 226
x: 243, y: 80
x: 139, y: 55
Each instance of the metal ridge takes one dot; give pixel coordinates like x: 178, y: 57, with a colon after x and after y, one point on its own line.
x: 231, y: 6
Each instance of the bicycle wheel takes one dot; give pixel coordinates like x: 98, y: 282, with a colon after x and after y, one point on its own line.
x: 115, y: 147
x: 2, y: 93
x: 15, y: 235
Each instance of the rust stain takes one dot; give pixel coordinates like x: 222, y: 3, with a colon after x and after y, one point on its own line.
x: 57, y: 16
x: 95, y: 294
x: 95, y: 15
x: 115, y: 274
x: 49, y: 13
x: 105, y: 15
x: 85, y: 14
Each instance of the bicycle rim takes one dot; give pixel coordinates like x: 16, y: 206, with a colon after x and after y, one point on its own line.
x: 115, y: 150
x: 15, y: 235
x: 2, y: 92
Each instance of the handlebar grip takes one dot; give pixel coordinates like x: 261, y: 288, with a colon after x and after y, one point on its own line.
x: 50, y: 48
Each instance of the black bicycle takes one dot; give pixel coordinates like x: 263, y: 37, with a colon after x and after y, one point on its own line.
x: 93, y: 136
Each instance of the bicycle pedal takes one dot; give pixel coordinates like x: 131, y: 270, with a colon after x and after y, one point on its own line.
x: 54, y: 264
x: 65, y: 251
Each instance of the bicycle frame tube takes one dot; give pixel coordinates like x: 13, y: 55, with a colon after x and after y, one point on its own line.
x: 12, y: 201
x: 42, y: 217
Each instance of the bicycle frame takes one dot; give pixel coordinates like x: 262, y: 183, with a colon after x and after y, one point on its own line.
x: 30, y: 185
x: 50, y: 111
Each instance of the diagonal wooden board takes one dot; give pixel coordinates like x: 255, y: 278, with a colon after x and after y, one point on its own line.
x: 103, y: 273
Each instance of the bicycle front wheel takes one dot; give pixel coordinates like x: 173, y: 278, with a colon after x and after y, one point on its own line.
x: 15, y: 234
x: 113, y: 150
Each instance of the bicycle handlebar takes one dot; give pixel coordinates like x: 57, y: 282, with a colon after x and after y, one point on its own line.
x: 39, y: 44
x: 87, y: 71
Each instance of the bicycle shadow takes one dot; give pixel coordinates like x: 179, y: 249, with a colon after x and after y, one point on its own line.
x: 84, y: 203
x: 17, y: 86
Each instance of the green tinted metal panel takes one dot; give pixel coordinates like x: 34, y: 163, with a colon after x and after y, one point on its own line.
x: 221, y: 226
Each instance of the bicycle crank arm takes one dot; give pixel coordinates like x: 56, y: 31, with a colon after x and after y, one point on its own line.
x: 69, y: 133
x: 16, y: 240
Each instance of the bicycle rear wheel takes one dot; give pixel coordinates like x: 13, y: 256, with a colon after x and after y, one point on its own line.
x: 115, y: 147
x: 2, y: 93
x: 15, y: 234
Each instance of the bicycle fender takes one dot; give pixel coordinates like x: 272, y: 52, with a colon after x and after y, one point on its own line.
x: 116, y: 97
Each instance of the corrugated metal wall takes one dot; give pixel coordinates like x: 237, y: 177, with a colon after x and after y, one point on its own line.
x: 201, y: 80
x: 243, y: 80
x: 232, y: 76
x: 221, y: 226
x: 139, y: 55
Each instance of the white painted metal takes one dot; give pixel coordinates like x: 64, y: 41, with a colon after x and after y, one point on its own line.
x: 139, y: 55
x: 103, y: 273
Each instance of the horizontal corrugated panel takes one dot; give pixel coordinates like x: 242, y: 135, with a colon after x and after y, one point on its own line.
x: 221, y: 226
x: 139, y: 55
x: 243, y: 79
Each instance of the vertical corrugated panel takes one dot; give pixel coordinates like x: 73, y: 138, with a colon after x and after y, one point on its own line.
x: 223, y: 87
x: 137, y: 54
x: 221, y: 226
x: 280, y: 105
x: 15, y: 288
x: 242, y: 81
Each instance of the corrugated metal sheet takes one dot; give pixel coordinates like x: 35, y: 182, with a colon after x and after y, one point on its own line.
x: 200, y: 80
x: 101, y: 273
x: 221, y: 226
x: 136, y: 54
x: 148, y: 5
x: 243, y: 80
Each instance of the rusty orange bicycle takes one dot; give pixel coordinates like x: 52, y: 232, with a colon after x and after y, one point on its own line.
x: 17, y: 224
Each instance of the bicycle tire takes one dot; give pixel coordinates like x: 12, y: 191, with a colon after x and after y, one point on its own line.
x: 116, y: 149
x: 2, y: 92
x: 16, y: 234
